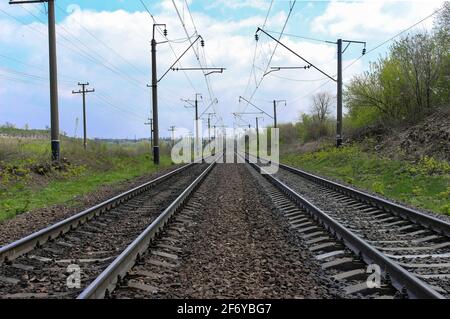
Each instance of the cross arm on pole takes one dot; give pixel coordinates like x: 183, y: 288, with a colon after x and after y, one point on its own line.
x: 27, y: 1
x: 215, y: 101
x: 178, y: 59
x: 239, y: 117
x: 243, y: 98
x: 159, y: 25
x: 81, y: 91
x: 212, y: 70
x: 278, y: 101
x: 351, y: 41
x: 190, y: 102
x: 248, y: 113
x: 296, y: 54
x: 279, y: 68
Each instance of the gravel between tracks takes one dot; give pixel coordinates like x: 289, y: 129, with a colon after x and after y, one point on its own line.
x: 27, y: 223
x: 237, y: 248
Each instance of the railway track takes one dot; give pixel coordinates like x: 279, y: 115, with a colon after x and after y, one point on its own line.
x: 45, y: 264
x: 222, y: 243
x: 410, y: 248
x: 353, y: 235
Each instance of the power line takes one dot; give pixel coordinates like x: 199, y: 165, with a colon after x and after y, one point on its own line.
x: 300, y: 37
x: 33, y: 66
x: 87, y: 54
x: 20, y: 80
x: 311, y: 92
x: 125, y: 111
x: 28, y: 75
x: 255, y: 51
x: 395, y: 36
x: 273, y: 53
x: 104, y: 44
x: 170, y: 44
x: 370, y: 51
x: 289, y: 79
x: 195, y: 52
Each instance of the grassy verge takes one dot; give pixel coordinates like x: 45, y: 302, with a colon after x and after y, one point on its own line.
x: 28, y: 181
x: 424, y: 184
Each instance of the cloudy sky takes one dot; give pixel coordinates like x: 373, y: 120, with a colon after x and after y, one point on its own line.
x: 107, y: 43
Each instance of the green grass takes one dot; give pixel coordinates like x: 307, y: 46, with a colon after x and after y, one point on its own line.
x: 24, y: 187
x: 22, y: 196
x: 425, y: 184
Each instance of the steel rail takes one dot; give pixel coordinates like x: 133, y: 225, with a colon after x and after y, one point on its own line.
x: 400, y: 277
x: 108, y: 279
x: 38, y: 238
x: 440, y: 226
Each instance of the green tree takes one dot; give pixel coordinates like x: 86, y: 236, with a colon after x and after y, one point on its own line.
x: 405, y: 85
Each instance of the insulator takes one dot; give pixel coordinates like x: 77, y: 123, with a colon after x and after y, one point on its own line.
x: 364, y: 51
x: 202, y: 43
x: 165, y: 32
x: 256, y: 37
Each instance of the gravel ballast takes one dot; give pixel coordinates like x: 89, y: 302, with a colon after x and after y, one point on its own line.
x: 233, y: 246
x: 402, y: 240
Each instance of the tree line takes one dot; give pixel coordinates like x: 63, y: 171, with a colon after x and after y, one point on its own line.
x: 400, y: 88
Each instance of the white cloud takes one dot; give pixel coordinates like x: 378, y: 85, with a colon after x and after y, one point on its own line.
x: 372, y: 18
x: 240, y: 4
x: 18, y: 10
x: 229, y: 43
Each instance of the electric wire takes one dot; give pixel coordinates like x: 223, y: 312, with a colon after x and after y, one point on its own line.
x: 273, y: 53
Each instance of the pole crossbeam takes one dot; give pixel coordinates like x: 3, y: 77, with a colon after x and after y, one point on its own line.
x: 212, y: 70
x: 179, y: 58
x: 83, y: 91
x: 247, y: 113
x: 28, y: 1
x: 279, y: 68
x: 243, y: 98
x: 154, y: 86
x: 296, y: 54
x: 215, y: 101
x: 338, y: 80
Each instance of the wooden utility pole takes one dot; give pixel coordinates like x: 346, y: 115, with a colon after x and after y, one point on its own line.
x: 209, y: 125
x: 83, y: 91
x: 54, y: 115
x: 194, y: 104
x: 275, y: 104
x: 150, y: 122
x: 257, y: 136
x: 173, y: 129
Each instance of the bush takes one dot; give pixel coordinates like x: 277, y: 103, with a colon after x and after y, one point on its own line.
x: 310, y: 128
x: 406, y: 84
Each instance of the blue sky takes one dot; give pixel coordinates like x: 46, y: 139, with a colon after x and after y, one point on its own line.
x: 107, y: 44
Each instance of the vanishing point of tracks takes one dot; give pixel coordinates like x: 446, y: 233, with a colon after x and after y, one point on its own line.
x: 352, y: 236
